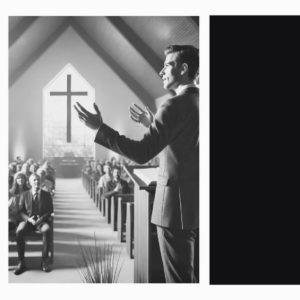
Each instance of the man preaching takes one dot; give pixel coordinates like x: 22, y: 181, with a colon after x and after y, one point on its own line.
x: 173, y: 131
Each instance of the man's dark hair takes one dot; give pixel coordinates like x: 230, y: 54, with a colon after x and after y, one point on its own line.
x: 116, y: 168
x: 50, y: 178
x: 187, y: 54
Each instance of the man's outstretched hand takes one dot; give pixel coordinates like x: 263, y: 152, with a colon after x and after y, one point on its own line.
x: 93, y: 121
x: 137, y: 114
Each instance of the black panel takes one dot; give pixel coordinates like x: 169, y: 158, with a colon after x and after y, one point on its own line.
x: 254, y: 162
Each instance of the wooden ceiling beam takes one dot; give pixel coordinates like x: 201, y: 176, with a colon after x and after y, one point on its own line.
x: 20, y: 28
x: 13, y: 76
x: 195, y: 20
x: 134, y: 86
x: 147, y: 53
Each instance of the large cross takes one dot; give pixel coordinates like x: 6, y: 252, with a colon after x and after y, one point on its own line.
x: 69, y: 94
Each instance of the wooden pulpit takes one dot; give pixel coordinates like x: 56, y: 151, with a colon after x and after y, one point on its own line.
x: 147, y: 259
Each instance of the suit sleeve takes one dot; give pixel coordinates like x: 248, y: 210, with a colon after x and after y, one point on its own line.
x: 50, y: 203
x: 154, y: 141
x: 49, y: 207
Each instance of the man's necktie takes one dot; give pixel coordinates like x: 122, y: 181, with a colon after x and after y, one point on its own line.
x: 35, y: 204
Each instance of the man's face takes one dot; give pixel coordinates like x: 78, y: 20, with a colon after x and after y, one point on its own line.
x: 116, y: 174
x: 48, y: 184
x: 106, y: 169
x: 35, y: 182
x: 170, y: 73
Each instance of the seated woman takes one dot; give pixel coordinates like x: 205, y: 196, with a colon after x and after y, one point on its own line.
x: 98, y: 172
x: 19, y: 186
x: 12, y: 169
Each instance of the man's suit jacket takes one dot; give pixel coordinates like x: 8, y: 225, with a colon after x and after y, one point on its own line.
x: 45, y: 205
x: 175, y: 133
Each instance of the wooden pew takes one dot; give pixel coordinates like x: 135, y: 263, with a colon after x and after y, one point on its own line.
x: 94, y: 190
x: 130, y: 228
x: 121, y: 215
x: 90, y: 185
x: 103, y: 206
x: 115, y: 207
x: 107, y: 208
x: 84, y: 180
x: 98, y: 195
x: 114, y: 212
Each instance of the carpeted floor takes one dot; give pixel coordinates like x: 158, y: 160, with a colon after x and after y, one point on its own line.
x: 76, y: 219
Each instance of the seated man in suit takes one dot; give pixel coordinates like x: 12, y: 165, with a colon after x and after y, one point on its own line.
x: 35, y: 209
x: 174, y: 133
x: 105, y: 181
x: 120, y: 186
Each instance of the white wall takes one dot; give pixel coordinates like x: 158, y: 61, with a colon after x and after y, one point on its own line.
x: 25, y: 96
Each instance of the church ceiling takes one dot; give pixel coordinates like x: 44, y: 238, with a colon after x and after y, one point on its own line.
x: 131, y: 46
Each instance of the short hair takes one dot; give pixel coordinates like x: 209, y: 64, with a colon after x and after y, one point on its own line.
x: 32, y: 176
x: 186, y: 54
x: 107, y: 165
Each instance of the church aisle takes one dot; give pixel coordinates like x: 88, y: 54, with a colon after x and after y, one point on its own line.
x: 76, y: 218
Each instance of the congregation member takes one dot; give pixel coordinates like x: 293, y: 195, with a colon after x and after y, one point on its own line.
x: 174, y: 133
x: 41, y: 173
x: 35, y: 211
x: 49, y: 170
x: 49, y: 184
x: 12, y: 169
x: 33, y: 168
x: 114, y: 163
x: 49, y: 174
x: 30, y: 161
x: 19, y: 186
x: 120, y: 185
x: 98, y: 172
x: 25, y: 169
x: 19, y: 160
x: 88, y: 168
x: 105, y: 184
x: 19, y: 167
